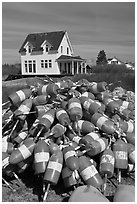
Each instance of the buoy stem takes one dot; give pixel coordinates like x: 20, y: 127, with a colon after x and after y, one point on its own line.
x: 77, y: 148
x: 5, y: 103
x: 8, y: 184
x: 42, y: 128
x: 69, y: 126
x: 119, y: 176
x: 15, y: 175
x: 46, y: 192
x: 5, y: 111
x: 27, y: 113
x: 77, y: 127
x: 105, y: 184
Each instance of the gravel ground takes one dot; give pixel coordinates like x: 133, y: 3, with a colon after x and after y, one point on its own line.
x: 28, y: 190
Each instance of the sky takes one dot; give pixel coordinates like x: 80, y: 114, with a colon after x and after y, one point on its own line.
x: 91, y: 27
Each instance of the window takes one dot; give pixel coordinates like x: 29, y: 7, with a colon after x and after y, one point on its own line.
x: 42, y: 63
x: 50, y: 63
x: 67, y: 50
x: 29, y: 49
x: 26, y: 66
x: 61, y: 49
x: 30, y: 66
x: 34, y: 66
x: 46, y: 63
x: 47, y: 48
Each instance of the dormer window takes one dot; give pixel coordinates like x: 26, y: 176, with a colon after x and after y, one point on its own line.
x: 29, y: 49
x: 47, y: 48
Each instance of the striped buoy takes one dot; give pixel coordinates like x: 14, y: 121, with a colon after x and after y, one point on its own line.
x: 17, y: 97
x: 23, y: 152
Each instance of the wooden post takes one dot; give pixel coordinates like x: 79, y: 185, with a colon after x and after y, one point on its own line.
x: 73, y: 67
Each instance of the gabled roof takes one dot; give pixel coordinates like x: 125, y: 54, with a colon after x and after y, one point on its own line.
x: 110, y: 59
x: 66, y: 57
x: 36, y: 39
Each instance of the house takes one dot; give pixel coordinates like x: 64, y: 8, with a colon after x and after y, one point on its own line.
x: 129, y: 66
x: 49, y: 53
x: 115, y: 60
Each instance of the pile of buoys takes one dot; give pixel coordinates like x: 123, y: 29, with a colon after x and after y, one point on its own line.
x: 79, y: 133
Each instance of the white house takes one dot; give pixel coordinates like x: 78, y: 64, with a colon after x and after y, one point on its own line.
x: 114, y: 60
x: 49, y: 53
x: 129, y: 66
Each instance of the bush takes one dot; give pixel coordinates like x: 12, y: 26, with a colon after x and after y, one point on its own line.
x: 11, y: 69
x: 119, y: 75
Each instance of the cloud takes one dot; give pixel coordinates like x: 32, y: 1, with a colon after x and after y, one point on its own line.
x: 89, y: 24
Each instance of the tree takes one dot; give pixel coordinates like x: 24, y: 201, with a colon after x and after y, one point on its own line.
x: 101, y: 58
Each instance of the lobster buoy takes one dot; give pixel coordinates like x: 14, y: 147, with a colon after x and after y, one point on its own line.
x: 53, y: 148
x: 40, y: 100
x: 120, y: 150
x: 86, y: 115
x: 124, y: 193
x: 107, y: 163
x: 41, y: 110
x: 130, y: 137
x: 54, y: 168
x: 74, y: 138
x: 62, y: 84
x: 41, y: 156
x: 48, y: 89
x: 23, y: 165
x: 82, y: 89
x: 17, y: 97
x: 104, y: 123
x: 47, y: 119
x: 71, y: 158
x: 74, y: 109
x: 89, y: 138
x: 87, y: 194
x: 111, y: 105
x: 64, y: 104
x: 89, y: 173
x: 96, y: 88
x: 62, y: 116
x: 23, y: 152
x: 5, y: 159
x: 132, y: 115
x: 70, y: 178
x: 131, y: 153
x: 7, y: 147
x: 102, y: 95
x: 58, y: 130
x: 85, y: 126
x: 125, y: 104
x: 96, y: 106
x: 97, y: 146
x: 127, y: 126
x: 88, y: 95
x: 124, y: 113
x: 22, y: 134
x: 92, y: 106
x: 24, y: 109
x: 53, y: 171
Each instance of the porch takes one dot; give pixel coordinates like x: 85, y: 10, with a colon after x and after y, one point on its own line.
x: 71, y: 65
